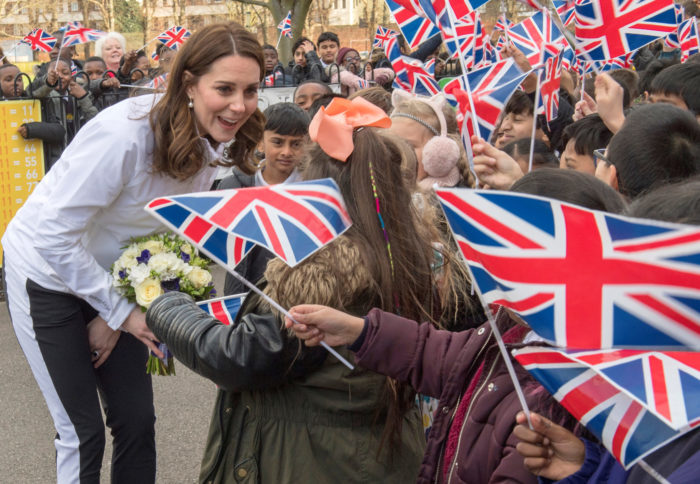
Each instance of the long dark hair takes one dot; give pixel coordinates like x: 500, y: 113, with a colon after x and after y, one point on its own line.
x: 408, y: 288
x: 178, y: 151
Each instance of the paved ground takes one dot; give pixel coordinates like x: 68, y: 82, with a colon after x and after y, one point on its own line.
x: 183, y: 407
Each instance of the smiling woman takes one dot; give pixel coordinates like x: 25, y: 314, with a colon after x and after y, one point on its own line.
x: 77, y: 332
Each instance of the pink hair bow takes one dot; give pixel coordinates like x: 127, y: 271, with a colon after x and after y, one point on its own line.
x: 333, y: 125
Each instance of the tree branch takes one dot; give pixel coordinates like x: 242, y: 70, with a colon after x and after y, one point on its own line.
x: 256, y: 2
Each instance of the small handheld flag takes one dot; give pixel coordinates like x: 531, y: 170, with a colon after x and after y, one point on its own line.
x: 37, y: 39
x: 285, y: 26
x: 174, y: 37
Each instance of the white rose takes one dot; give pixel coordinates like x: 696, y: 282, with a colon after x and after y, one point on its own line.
x: 166, y: 264
x: 186, y: 248
x: 132, y: 251
x: 153, y: 246
x: 126, y: 261
x: 138, y: 274
x: 147, y: 292
x: 199, y: 277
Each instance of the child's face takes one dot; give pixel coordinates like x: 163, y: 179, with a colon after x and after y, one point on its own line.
x: 515, y: 126
x: 282, y: 152
x: 94, y: 69
x: 270, y: 57
x: 64, y: 75
x: 300, y: 56
x: 328, y: 49
x: 7, y: 81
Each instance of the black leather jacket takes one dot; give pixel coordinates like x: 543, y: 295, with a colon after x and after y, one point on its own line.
x: 254, y: 353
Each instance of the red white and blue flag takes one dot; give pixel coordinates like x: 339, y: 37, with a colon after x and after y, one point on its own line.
x: 285, y: 26
x: 688, y: 38
x: 550, y: 78
x: 416, y: 28
x: 624, y: 426
x: 224, y: 309
x: 412, y: 75
x: 667, y: 383
x: 75, y: 34
x: 291, y: 220
x: 382, y: 36
x: 581, y: 279
x: 565, y: 10
x: 606, y: 29
x: 224, y: 248
x: 174, y: 37
x: 623, y: 62
x: 503, y: 24
x: 37, y: 39
x: 159, y: 83
x: 537, y: 37
x: 671, y: 39
x: 491, y: 87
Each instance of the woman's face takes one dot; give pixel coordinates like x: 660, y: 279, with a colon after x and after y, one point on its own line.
x: 225, y: 97
x: 112, y: 51
x: 300, y: 56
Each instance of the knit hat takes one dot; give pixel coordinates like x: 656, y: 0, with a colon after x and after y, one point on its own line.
x: 342, y: 52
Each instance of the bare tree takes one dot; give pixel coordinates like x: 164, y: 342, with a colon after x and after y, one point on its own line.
x: 147, y: 7
x: 9, y: 8
x: 279, y: 9
x: 106, y: 10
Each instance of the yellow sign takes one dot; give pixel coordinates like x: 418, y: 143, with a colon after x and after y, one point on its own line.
x: 21, y: 160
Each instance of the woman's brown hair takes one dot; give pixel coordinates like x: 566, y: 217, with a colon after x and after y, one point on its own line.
x: 178, y: 150
x: 409, y: 288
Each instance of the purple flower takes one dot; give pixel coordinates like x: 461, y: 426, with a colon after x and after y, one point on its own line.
x: 185, y: 257
x: 171, y: 285
x: 212, y: 293
x: 122, y: 274
x: 143, y: 258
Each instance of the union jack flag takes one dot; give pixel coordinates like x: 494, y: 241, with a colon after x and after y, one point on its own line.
x: 537, y: 37
x: 666, y: 383
x: 291, y: 220
x: 224, y: 309
x: 285, y: 26
x: 621, y: 424
x: 155, y: 57
x: 671, y: 39
x: 688, y: 38
x: 413, y: 75
x: 503, y: 24
x: 565, y: 10
x: 416, y: 29
x: 623, y: 62
x: 382, y: 36
x: 224, y: 248
x: 606, y: 29
x: 490, y: 87
x: 174, y: 37
x: 75, y: 34
x: 550, y: 78
x: 581, y: 279
x: 37, y: 39
x: 159, y: 83
x: 459, y: 34
x: 532, y: 4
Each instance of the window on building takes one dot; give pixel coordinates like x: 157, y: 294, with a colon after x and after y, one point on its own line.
x: 74, y: 7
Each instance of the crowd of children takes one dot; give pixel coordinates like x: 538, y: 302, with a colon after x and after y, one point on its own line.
x: 431, y: 399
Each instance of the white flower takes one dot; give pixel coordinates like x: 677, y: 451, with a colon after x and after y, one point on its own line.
x: 186, y: 248
x: 126, y: 261
x: 199, y: 277
x: 138, y: 274
x: 167, y: 264
x: 147, y: 292
x: 152, y: 246
x: 132, y: 251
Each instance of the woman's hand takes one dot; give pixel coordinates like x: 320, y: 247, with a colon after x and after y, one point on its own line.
x: 549, y: 450
x: 136, y: 325
x: 493, y: 166
x: 321, y: 323
x: 101, y: 339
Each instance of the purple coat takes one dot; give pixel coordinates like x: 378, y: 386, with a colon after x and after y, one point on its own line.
x: 441, y: 364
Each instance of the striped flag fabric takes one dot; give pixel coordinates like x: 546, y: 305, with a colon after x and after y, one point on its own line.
x: 224, y: 309
x: 285, y: 26
x: 37, y: 39
x: 159, y: 83
x: 292, y: 220
x: 537, y: 37
x: 688, y: 38
x: 382, y: 36
x: 581, y: 279
x: 75, y: 34
x: 606, y: 29
x: 415, y: 28
x: 624, y: 426
x: 174, y: 37
x: 549, y: 87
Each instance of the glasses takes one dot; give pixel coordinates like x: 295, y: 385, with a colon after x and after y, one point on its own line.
x: 600, y: 155
x: 353, y: 59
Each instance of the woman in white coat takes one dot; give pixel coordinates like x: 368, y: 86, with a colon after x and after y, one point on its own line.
x: 80, y: 337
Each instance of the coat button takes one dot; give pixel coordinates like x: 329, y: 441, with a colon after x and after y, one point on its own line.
x: 492, y: 387
x: 228, y: 410
x: 481, y: 331
x: 242, y: 472
x: 445, y: 410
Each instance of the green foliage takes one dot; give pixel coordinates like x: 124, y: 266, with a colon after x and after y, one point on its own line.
x: 127, y: 16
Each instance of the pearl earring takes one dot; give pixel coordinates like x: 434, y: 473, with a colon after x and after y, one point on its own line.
x: 190, y: 104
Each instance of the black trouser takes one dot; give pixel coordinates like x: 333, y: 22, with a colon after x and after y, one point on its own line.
x: 59, y: 321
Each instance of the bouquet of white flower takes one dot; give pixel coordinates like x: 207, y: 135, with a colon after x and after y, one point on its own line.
x: 153, y: 265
